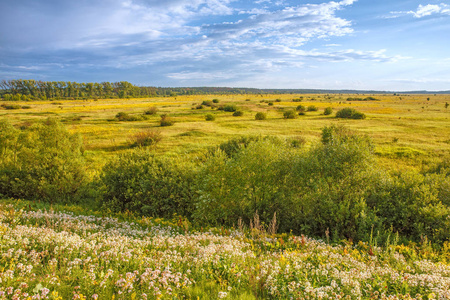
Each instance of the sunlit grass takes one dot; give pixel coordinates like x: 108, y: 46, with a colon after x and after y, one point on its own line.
x: 411, y: 120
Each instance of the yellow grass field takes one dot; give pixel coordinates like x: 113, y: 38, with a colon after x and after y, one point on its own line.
x: 408, y: 130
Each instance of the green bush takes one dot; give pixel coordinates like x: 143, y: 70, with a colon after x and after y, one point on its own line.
x: 166, y: 121
x: 328, y: 111
x: 230, y: 108
x: 260, y: 116
x: 43, y: 161
x: 289, y: 114
x: 238, y: 113
x: 151, y: 111
x: 235, y: 145
x: 146, y: 138
x: 301, y: 108
x: 251, y: 180
x: 122, y: 116
x: 312, y: 108
x: 207, y: 103
x: 350, y: 113
x: 311, y: 191
x: 215, y: 100
x: 11, y: 106
x: 154, y: 186
x: 210, y: 117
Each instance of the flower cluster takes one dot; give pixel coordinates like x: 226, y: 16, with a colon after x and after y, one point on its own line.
x: 56, y: 255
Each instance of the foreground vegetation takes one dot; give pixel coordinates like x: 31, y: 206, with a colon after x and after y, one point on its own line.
x: 335, y: 186
x: 66, y: 252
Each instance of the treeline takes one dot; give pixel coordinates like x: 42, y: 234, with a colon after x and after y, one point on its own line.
x: 28, y: 90
x: 335, y: 189
x: 16, y: 90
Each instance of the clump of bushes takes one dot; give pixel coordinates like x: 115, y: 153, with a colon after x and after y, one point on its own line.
x: 166, y: 121
x: 208, y: 103
x: 238, y: 113
x: 370, y: 98
x: 11, y: 106
x: 43, y: 161
x: 151, y: 111
x: 301, y: 108
x: 260, y: 116
x: 350, y: 113
x: 122, y: 116
x: 328, y: 111
x: 146, y: 138
x: 230, y: 108
x: 289, y: 114
x: 155, y: 186
x: 210, y: 117
x: 312, y: 108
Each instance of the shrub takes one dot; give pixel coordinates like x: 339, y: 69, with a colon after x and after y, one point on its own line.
x: 122, y: 116
x: 215, y: 100
x: 153, y: 186
x: 236, y: 187
x: 297, y: 142
x: 199, y: 107
x: 230, y: 108
x: 350, y: 113
x: 238, y: 113
x: 166, y: 121
x: 207, y: 103
x: 270, y: 103
x: 312, y: 108
x: 151, y: 111
x: 44, y: 161
x: 260, y: 116
x: 146, y: 138
x: 289, y: 114
x: 328, y: 111
x: 11, y: 106
x: 210, y: 117
x: 233, y: 146
x: 301, y: 108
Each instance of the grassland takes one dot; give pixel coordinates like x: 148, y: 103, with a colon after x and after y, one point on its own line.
x: 408, y: 130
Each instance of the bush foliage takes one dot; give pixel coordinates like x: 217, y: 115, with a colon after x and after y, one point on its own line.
x: 350, y: 113
x: 43, y: 161
x: 333, y: 188
x: 140, y: 182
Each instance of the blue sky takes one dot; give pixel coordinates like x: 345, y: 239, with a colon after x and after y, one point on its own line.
x: 350, y: 44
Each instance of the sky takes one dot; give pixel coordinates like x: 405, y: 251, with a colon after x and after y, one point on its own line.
x: 400, y: 45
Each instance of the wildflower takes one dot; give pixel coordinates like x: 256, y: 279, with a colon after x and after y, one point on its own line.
x: 222, y: 295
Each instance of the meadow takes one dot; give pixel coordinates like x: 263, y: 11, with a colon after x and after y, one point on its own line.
x: 100, y: 201
x: 408, y: 130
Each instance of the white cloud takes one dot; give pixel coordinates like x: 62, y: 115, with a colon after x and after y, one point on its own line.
x: 426, y: 10
x: 422, y: 11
